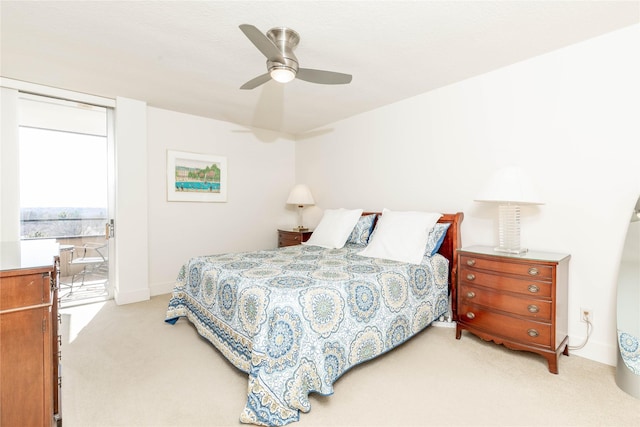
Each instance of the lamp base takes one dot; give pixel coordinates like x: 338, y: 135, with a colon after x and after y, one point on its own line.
x: 300, y: 229
x: 516, y: 251
x: 509, y: 230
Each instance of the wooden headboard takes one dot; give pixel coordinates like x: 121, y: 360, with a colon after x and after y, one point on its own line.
x: 450, y: 245
x: 449, y: 249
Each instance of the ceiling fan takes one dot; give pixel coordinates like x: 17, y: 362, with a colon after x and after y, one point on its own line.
x: 282, y: 64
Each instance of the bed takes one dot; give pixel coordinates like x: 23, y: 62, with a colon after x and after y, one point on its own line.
x: 296, y: 318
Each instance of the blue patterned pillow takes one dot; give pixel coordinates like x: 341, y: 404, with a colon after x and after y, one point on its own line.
x: 436, y: 237
x: 362, y: 230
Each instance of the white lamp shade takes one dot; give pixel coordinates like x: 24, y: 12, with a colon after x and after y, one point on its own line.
x: 510, y: 185
x: 300, y: 195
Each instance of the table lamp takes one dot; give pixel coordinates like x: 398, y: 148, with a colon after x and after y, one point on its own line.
x: 509, y: 187
x: 300, y: 196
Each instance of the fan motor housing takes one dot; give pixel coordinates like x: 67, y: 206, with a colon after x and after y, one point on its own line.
x: 286, y: 40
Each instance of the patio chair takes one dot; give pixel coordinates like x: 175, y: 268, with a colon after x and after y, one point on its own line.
x: 91, y: 257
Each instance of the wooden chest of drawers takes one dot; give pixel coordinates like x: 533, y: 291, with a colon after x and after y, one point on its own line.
x: 292, y: 238
x: 29, y: 343
x: 519, y: 301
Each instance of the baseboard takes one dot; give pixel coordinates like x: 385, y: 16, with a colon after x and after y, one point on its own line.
x: 594, y: 350
x: 161, y: 288
x: 443, y: 324
x: 130, y: 297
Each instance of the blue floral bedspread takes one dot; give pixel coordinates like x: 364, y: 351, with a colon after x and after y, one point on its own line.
x: 630, y: 351
x: 295, y: 319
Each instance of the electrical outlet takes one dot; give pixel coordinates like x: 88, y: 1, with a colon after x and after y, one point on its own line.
x: 586, y: 313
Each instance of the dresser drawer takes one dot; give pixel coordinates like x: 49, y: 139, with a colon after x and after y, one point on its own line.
x: 24, y: 291
x: 515, y: 329
x: 499, y: 282
x: 527, y: 269
x: 522, y: 306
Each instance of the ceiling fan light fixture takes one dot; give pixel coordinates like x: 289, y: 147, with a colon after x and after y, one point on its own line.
x: 282, y: 74
x: 282, y: 65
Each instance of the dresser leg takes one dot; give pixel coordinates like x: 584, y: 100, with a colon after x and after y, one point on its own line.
x: 553, y: 363
x: 553, y: 359
x: 458, y: 331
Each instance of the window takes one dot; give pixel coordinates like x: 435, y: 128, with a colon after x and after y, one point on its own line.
x: 63, y: 168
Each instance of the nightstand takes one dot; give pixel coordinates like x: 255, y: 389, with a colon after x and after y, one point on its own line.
x: 519, y: 301
x: 292, y: 238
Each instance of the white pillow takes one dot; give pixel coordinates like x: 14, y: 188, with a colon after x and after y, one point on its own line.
x: 401, y: 236
x: 334, y: 228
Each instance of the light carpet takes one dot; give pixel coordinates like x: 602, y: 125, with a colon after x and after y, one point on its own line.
x: 124, y: 366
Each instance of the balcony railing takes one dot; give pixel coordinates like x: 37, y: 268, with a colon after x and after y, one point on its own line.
x: 61, y: 227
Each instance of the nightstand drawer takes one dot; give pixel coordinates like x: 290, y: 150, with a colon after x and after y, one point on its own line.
x: 498, y: 282
x: 512, y: 328
x: 522, y: 306
x: 289, y: 240
x: 532, y: 270
x: 292, y: 238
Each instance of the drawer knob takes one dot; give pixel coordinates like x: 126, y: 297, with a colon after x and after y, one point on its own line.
x: 470, y: 315
x: 533, y: 289
x: 471, y: 276
x: 533, y: 271
x: 471, y: 262
x: 533, y: 308
x: 471, y: 294
x: 532, y: 333
x: 297, y: 238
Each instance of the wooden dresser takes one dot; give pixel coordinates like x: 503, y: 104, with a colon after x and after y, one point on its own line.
x: 29, y: 342
x: 292, y: 238
x: 519, y: 301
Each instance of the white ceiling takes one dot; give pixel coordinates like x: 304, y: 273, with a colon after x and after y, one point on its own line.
x: 190, y: 56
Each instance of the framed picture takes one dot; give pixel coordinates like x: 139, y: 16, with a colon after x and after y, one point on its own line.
x: 193, y: 177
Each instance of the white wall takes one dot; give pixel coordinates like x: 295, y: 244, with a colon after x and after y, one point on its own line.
x: 570, y: 118
x: 9, y: 192
x: 260, y: 176
x: 131, y: 243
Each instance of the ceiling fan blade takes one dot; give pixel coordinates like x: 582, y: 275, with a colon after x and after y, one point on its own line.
x: 255, y: 82
x: 323, y: 77
x: 263, y: 43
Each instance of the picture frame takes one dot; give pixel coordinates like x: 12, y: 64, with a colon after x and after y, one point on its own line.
x: 195, y: 177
